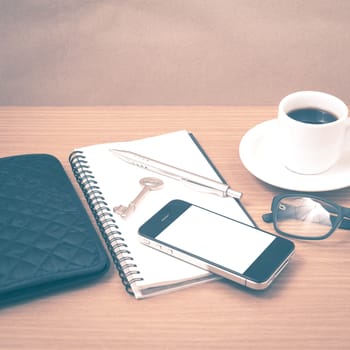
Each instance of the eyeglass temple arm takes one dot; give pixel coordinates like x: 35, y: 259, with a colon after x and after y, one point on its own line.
x: 345, y: 224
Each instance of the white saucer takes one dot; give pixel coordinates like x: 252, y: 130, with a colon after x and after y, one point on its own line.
x: 259, y: 153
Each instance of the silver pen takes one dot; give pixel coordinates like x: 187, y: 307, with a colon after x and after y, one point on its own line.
x: 186, y: 177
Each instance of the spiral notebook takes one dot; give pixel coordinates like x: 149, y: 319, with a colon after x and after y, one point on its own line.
x: 108, y: 181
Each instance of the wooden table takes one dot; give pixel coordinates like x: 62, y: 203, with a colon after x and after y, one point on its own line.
x: 308, y: 307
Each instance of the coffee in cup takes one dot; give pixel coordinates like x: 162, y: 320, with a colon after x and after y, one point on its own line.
x: 311, y: 115
x: 312, y: 131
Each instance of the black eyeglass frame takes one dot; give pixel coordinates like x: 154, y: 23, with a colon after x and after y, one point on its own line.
x: 342, y: 220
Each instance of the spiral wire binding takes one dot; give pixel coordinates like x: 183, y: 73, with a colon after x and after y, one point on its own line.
x: 113, y: 237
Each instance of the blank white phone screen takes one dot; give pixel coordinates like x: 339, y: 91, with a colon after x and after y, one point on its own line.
x: 217, y: 239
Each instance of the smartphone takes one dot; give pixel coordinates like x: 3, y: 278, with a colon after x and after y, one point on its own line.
x: 226, y: 247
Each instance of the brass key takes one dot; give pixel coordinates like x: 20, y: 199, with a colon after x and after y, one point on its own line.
x: 149, y: 184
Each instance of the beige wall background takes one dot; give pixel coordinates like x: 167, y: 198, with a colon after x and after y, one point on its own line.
x: 175, y: 52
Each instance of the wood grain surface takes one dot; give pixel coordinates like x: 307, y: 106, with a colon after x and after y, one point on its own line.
x: 308, y: 307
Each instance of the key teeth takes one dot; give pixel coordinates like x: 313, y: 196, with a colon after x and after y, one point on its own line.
x: 124, y: 211
x: 120, y: 210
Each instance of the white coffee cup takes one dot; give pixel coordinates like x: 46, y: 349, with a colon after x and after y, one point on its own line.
x: 308, y: 148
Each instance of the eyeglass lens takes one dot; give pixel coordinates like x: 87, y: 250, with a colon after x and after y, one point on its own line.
x: 305, y: 217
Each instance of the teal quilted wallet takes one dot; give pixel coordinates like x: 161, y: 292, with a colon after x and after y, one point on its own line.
x: 47, y: 241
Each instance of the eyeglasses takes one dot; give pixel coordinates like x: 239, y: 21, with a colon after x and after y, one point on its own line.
x: 306, y: 216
